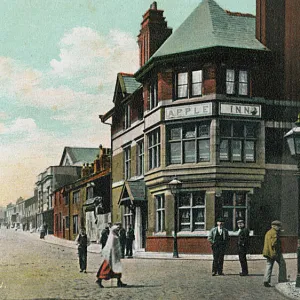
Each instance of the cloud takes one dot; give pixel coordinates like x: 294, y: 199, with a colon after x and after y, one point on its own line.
x: 19, y: 126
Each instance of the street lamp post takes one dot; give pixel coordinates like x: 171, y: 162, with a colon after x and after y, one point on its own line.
x: 175, y: 186
x: 293, y: 140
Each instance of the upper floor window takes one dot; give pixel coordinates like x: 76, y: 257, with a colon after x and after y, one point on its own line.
x: 66, y: 199
x: 189, y: 84
x: 90, y: 192
x: 160, y: 213
x: 127, y: 162
x: 76, y: 197
x: 238, y: 141
x: 237, y: 82
x: 153, y: 97
x: 127, y: 120
x: 154, y: 149
x: 192, y: 211
x: 189, y: 143
x: 140, y: 158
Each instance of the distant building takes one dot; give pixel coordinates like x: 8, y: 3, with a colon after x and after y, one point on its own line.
x: 86, y: 201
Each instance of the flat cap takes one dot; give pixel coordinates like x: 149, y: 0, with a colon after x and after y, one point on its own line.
x: 276, y: 222
x: 240, y: 221
x: 221, y: 220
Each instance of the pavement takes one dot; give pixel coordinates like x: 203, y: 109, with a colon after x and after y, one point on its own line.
x: 288, y: 289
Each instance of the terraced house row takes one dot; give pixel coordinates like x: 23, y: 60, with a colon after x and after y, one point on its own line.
x: 210, y: 104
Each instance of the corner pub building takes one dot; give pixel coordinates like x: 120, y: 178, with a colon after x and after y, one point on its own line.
x: 210, y: 104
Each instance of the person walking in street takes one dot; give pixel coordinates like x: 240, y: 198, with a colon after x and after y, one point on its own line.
x: 122, y: 235
x: 111, y: 266
x: 83, y: 242
x: 218, y: 237
x: 272, y: 252
x: 104, y: 236
x: 129, y: 240
x: 243, y: 246
x: 42, y: 231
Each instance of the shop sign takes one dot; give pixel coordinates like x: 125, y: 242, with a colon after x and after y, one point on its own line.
x: 245, y: 110
x: 188, y: 111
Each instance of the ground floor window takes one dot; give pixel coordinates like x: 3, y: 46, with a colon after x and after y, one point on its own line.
x: 160, y: 213
x: 75, y: 224
x: 191, y: 209
x: 234, y: 207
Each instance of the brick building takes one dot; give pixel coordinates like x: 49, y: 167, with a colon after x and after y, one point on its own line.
x: 85, y: 201
x: 210, y: 104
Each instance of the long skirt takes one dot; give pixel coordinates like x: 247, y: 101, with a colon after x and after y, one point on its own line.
x: 105, y: 272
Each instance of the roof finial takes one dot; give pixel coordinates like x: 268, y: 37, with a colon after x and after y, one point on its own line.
x: 154, y: 5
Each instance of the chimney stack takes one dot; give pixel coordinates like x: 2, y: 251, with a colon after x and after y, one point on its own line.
x: 154, y: 31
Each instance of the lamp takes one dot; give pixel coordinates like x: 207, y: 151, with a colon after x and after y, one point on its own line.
x: 174, y: 186
x: 293, y: 141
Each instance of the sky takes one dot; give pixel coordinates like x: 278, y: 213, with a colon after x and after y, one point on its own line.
x: 59, y: 61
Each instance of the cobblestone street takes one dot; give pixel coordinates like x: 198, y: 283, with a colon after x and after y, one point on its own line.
x: 34, y: 269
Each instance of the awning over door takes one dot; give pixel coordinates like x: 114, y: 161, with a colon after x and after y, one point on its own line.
x: 133, y: 192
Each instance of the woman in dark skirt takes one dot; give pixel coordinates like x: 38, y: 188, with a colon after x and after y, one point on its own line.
x: 111, y: 266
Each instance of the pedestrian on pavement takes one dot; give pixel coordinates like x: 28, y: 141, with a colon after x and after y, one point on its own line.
x: 42, y: 231
x: 111, y: 266
x: 83, y: 242
x: 272, y: 252
x: 122, y: 235
x: 129, y: 240
x: 104, y: 236
x: 218, y: 237
x: 243, y: 246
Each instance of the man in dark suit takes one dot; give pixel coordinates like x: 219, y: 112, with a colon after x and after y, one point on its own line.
x: 129, y: 240
x: 243, y: 246
x: 218, y: 237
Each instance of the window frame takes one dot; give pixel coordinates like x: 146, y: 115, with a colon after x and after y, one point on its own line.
x: 76, y: 200
x: 154, y: 149
x: 236, y: 82
x: 234, y: 207
x: 140, y: 158
x: 153, y: 94
x: 128, y: 216
x: 160, y: 213
x: 127, y: 162
x: 191, y: 208
x: 75, y: 224
x: 127, y: 116
x: 182, y: 141
x: 188, y: 84
x: 234, y: 137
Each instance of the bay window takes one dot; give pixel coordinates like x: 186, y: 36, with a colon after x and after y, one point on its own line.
x: 234, y: 207
x: 189, y: 84
x: 191, y: 211
x: 238, y: 141
x: 189, y: 143
x: 237, y: 82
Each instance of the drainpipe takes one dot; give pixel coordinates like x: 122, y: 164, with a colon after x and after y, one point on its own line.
x: 111, y: 168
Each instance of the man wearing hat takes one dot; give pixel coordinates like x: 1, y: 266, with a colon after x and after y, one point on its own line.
x: 218, y: 237
x: 243, y: 245
x: 272, y: 252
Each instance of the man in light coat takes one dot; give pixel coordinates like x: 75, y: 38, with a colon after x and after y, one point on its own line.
x: 218, y: 237
x: 272, y: 252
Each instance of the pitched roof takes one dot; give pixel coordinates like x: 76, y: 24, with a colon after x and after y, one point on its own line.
x: 128, y: 83
x: 211, y: 26
x: 133, y: 191
x: 80, y: 155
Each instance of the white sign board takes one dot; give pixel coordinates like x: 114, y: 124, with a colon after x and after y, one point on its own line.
x: 188, y: 111
x: 246, y: 110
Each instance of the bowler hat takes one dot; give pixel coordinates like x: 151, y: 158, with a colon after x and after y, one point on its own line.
x: 276, y: 222
x: 240, y: 221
